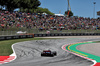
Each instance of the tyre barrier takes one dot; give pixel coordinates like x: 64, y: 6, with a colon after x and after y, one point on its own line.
x: 47, y: 35
x: 36, y: 35
x: 2, y: 38
x: 15, y: 37
x: 67, y: 34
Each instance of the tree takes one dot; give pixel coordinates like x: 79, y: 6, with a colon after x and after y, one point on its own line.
x: 10, y: 5
x: 43, y: 10
x: 29, y: 4
x: 2, y: 2
x: 13, y: 4
x: 38, y: 10
x: 69, y: 13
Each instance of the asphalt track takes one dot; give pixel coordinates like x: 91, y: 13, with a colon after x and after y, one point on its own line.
x: 29, y: 53
x: 94, y: 49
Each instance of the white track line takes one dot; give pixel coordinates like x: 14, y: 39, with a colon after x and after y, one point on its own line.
x: 13, y: 55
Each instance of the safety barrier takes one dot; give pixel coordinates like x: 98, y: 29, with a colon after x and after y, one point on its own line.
x: 47, y: 35
x: 15, y: 37
x: 67, y: 34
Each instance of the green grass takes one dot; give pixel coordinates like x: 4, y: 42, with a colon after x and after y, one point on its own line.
x: 5, y: 46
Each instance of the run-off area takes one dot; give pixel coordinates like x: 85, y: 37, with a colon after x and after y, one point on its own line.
x: 29, y: 53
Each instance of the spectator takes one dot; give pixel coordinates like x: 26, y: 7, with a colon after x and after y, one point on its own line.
x: 46, y: 22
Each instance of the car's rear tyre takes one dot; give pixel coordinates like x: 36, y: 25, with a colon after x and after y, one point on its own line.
x: 42, y: 55
x: 55, y: 53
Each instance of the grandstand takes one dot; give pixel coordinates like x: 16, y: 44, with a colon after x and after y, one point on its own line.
x: 12, y: 22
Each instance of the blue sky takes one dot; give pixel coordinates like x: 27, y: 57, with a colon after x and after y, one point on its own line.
x: 82, y: 8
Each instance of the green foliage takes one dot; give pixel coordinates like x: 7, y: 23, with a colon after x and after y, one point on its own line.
x: 13, y: 4
x: 70, y: 13
x: 38, y: 10
x: 43, y: 10
x: 10, y: 4
x: 29, y: 4
x: 25, y: 6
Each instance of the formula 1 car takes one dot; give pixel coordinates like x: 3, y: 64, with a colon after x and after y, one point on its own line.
x: 49, y: 53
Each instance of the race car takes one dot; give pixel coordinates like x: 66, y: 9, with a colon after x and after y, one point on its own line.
x: 48, y: 53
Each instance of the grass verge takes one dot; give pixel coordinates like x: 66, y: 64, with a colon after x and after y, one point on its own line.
x: 5, y: 46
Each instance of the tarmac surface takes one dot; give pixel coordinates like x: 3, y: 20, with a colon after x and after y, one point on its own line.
x: 29, y: 52
x: 93, y: 48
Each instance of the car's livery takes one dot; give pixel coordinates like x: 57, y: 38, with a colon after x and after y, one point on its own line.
x: 49, y: 53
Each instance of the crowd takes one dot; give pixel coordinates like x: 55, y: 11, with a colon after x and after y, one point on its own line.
x: 46, y: 22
